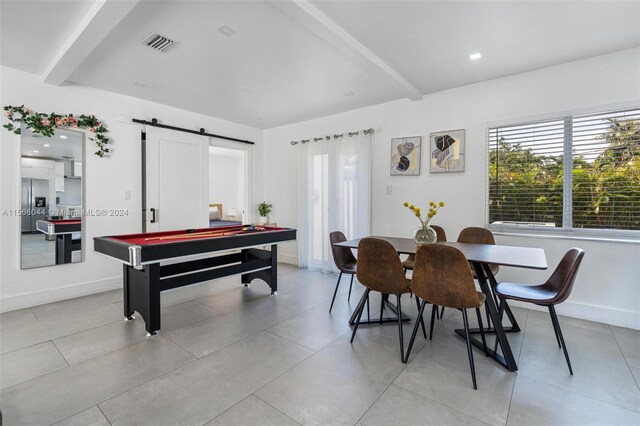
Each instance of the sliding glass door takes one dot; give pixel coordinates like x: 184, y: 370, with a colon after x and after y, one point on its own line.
x: 334, y: 196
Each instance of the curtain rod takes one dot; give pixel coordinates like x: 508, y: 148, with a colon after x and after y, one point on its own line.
x: 154, y: 123
x: 336, y: 136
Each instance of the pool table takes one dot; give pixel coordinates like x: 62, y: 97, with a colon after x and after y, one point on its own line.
x: 63, y: 230
x: 196, y: 255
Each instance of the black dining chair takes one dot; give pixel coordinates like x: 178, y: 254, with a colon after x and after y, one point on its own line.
x: 554, y: 291
x: 345, y: 261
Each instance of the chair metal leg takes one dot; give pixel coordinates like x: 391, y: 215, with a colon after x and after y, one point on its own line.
x: 335, y: 292
x: 424, y: 329
x: 434, y: 308
x: 556, y: 326
x: 441, y: 315
x: 501, y: 307
x: 398, y: 296
x: 381, y: 309
x: 437, y: 312
x: 360, y: 311
x: 486, y: 309
x: 350, y: 286
x: 481, y: 327
x: 556, y: 333
x: 469, y: 350
x: 368, y: 312
x: 415, y: 331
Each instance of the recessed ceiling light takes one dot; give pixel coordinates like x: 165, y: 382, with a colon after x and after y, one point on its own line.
x: 349, y: 94
x: 63, y: 136
x: 475, y: 56
x: 47, y: 145
x: 246, y: 89
x: 226, y: 30
x: 36, y: 151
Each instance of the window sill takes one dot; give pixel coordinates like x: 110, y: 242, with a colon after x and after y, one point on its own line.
x: 568, y: 236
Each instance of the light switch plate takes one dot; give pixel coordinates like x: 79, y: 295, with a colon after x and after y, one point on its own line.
x: 389, y: 189
x: 127, y: 194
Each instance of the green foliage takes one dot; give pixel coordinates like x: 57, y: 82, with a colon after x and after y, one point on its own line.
x: 46, y: 124
x: 528, y: 187
x: 264, y: 208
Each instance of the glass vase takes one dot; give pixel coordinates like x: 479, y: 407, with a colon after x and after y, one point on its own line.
x: 425, y: 235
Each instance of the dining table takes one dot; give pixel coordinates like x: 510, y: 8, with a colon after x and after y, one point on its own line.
x: 480, y: 256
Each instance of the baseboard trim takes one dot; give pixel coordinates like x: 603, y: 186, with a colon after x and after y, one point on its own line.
x: 602, y: 314
x: 28, y: 300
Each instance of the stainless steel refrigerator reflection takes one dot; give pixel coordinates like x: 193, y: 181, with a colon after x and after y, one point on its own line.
x: 34, y: 202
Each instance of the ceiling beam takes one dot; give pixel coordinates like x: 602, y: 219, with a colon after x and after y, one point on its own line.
x: 317, y: 21
x: 103, y: 17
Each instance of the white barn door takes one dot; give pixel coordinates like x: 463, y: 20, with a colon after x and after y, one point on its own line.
x: 177, y: 180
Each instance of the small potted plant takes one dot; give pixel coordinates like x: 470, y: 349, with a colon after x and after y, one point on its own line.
x: 425, y: 234
x: 264, y: 209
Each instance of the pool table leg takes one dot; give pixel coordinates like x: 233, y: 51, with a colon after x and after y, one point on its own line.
x: 270, y: 275
x: 142, y: 294
x: 274, y: 270
x: 128, y: 310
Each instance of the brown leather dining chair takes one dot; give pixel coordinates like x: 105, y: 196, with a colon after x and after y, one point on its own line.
x: 440, y: 236
x: 380, y: 269
x: 477, y: 235
x: 442, y: 277
x: 552, y: 292
x: 345, y: 261
x: 410, y: 260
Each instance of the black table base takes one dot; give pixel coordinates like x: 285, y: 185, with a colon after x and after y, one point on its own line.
x: 64, y: 246
x: 487, y: 282
x: 142, y: 287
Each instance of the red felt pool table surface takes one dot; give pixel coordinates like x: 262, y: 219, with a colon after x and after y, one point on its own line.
x: 63, y: 221
x: 193, y: 234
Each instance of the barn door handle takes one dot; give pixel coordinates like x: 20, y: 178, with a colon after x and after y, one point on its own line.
x: 153, y: 215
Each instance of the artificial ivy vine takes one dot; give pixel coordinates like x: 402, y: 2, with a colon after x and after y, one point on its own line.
x: 46, y: 124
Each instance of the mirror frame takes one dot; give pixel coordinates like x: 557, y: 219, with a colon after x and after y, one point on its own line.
x: 84, y: 137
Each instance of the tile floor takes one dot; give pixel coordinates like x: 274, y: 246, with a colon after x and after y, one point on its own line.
x: 227, y: 355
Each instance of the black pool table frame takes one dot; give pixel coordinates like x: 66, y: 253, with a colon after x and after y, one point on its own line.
x: 63, y: 232
x: 144, y: 278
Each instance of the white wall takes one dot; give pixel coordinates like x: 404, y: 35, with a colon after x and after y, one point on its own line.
x: 106, y: 181
x: 608, y: 287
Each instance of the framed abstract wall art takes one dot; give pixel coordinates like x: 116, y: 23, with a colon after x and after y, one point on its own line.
x: 406, y: 154
x: 447, y: 151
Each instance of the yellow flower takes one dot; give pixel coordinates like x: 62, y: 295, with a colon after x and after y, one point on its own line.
x: 418, y: 212
x: 432, y: 204
x: 412, y: 207
x: 405, y: 204
x: 441, y: 203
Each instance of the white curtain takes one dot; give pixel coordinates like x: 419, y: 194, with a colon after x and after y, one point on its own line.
x: 333, y: 195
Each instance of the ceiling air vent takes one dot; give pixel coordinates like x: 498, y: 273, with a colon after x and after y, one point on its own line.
x: 158, y: 42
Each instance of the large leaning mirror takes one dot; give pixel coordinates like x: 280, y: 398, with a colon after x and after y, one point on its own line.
x: 51, y: 195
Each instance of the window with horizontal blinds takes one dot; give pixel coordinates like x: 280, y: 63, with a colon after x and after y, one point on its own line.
x: 578, y: 171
